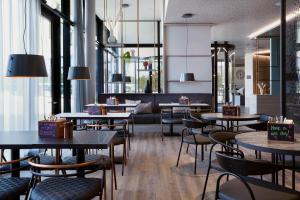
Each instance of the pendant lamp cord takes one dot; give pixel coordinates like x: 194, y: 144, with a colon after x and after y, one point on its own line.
x: 25, y: 22
x: 186, y: 47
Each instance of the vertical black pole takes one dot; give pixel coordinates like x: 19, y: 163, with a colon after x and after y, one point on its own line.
x: 158, y: 58
x: 216, y: 76
x: 226, y: 74
x: 65, y: 9
x: 283, y: 56
x: 100, y: 58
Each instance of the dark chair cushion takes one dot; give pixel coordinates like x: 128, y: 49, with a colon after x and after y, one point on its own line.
x: 171, y: 121
x: 262, y: 190
x: 200, y: 139
x: 67, y: 189
x: 103, y: 161
x: 13, y: 187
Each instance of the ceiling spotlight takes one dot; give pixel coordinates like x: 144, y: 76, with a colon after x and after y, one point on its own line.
x: 187, y: 15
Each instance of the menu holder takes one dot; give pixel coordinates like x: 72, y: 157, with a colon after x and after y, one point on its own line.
x: 281, y: 131
x: 52, y: 128
x: 112, y: 101
x: 184, y: 100
x: 231, y: 110
x: 94, y: 110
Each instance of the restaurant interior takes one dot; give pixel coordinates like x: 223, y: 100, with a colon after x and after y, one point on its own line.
x: 149, y: 99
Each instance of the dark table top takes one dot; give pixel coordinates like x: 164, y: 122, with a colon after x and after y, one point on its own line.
x: 30, y: 139
x: 125, y: 115
x: 220, y: 116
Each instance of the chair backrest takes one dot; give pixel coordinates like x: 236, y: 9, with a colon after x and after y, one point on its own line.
x: 192, y: 123
x: 234, y: 163
x: 221, y: 137
x: 7, y: 166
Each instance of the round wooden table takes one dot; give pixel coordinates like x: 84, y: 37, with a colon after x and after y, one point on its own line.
x: 228, y: 118
x: 259, y: 141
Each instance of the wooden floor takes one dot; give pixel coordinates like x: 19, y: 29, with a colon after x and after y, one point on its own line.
x: 151, y: 172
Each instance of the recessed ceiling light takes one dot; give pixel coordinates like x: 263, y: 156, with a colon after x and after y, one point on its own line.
x: 125, y: 5
x: 187, y: 15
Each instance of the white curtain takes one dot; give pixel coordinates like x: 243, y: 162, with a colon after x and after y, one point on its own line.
x: 19, y: 97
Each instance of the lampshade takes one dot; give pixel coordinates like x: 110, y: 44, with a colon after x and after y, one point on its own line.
x: 126, y: 79
x: 26, y: 65
x: 187, y: 77
x: 79, y: 73
x: 116, y: 78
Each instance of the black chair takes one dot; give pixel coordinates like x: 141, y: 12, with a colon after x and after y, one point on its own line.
x: 166, y: 118
x: 258, y: 125
x: 189, y: 138
x: 243, y: 187
x: 61, y: 186
x: 13, y: 187
x: 225, y: 140
x: 219, y: 136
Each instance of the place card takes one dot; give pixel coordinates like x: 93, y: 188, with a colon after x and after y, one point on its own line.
x: 283, y: 131
x: 231, y: 110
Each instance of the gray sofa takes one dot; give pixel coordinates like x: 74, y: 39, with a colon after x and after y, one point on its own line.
x: 154, y: 117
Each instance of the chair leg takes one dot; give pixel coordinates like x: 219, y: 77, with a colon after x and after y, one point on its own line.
x: 205, y: 184
x: 179, y: 154
x: 195, y: 170
x: 187, y: 148
x: 162, y: 132
x: 202, y: 152
x: 124, y: 158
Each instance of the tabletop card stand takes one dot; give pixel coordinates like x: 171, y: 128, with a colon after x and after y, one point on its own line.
x: 282, y: 130
x: 231, y: 110
x: 97, y: 110
x: 112, y: 101
x: 184, y: 100
x: 52, y: 128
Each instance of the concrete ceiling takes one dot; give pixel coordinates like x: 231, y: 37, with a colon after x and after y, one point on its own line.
x: 233, y: 20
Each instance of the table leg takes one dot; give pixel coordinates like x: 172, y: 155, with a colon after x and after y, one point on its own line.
x: 15, y: 155
x: 80, y: 159
x: 57, y: 159
x: 283, y: 170
x: 171, y: 125
x: 273, y: 173
x: 227, y: 125
x: 293, y: 173
x: 113, y: 175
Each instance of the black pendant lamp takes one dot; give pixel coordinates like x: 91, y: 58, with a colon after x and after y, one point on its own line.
x: 26, y: 65
x: 79, y: 73
x: 187, y: 77
x: 116, y: 78
x: 126, y: 79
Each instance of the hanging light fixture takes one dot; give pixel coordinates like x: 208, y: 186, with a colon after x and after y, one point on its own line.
x: 79, y: 72
x: 126, y: 79
x: 187, y: 77
x: 26, y: 65
x: 116, y: 78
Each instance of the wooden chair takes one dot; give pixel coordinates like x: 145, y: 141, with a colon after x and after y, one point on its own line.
x: 244, y: 187
x: 13, y: 187
x: 189, y: 138
x: 61, y: 186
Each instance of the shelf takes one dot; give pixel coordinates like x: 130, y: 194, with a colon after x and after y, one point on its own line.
x: 147, y: 70
x: 204, y: 81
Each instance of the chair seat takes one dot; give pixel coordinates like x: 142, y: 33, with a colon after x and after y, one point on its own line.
x: 171, y: 121
x: 103, y: 161
x: 67, y: 189
x: 13, y: 187
x: 200, y: 139
x: 262, y: 190
x: 118, y: 140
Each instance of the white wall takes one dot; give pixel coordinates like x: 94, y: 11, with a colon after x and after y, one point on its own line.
x: 199, y: 57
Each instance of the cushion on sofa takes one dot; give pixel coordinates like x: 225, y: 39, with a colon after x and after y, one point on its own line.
x: 143, y: 108
x: 131, y: 109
